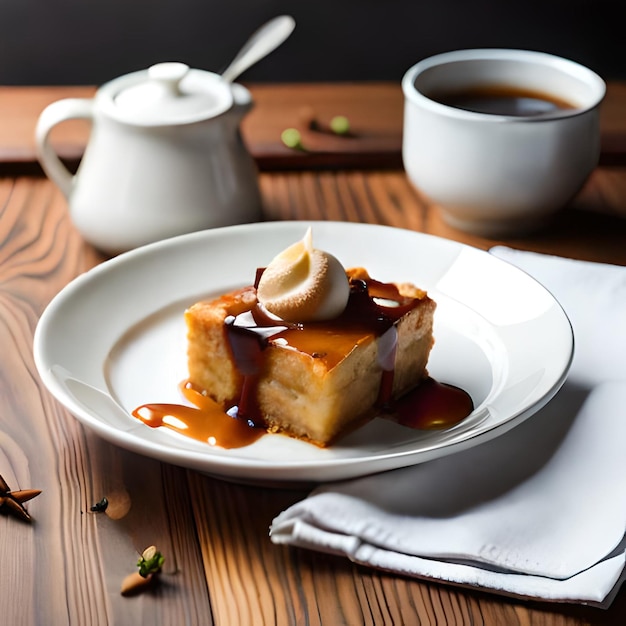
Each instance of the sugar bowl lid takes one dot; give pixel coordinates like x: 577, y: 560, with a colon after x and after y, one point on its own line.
x: 167, y: 93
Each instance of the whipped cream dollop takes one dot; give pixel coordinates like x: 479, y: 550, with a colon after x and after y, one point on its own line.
x: 304, y: 284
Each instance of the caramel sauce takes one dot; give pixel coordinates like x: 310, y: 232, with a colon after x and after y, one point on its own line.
x: 208, y: 422
x: 336, y: 344
x: 431, y: 405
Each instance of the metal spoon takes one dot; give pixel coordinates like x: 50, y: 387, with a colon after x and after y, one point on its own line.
x: 263, y: 41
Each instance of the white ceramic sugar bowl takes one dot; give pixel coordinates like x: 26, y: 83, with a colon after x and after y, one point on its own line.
x: 165, y: 157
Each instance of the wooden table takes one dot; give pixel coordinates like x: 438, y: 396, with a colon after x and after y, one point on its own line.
x: 67, y: 565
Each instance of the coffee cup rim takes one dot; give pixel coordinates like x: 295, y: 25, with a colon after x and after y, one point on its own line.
x: 597, y: 85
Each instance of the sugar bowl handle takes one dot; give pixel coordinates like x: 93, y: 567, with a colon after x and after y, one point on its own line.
x: 53, y: 114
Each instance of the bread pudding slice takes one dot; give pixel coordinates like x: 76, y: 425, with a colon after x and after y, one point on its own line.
x: 318, y: 380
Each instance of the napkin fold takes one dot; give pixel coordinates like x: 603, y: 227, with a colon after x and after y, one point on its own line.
x: 539, y: 512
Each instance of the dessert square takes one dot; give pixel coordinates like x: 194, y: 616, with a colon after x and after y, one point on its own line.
x: 314, y: 381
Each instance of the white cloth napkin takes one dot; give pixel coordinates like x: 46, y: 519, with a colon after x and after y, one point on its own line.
x: 539, y: 512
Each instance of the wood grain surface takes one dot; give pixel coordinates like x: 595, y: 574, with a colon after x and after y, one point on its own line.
x: 66, y: 567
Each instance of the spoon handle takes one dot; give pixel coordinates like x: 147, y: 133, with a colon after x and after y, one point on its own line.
x: 263, y: 41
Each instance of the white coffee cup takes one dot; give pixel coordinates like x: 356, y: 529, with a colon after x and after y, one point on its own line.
x: 496, y: 174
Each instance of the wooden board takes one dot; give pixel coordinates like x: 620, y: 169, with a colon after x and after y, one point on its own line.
x: 374, y: 110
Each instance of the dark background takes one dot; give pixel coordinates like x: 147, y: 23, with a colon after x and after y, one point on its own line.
x: 78, y: 42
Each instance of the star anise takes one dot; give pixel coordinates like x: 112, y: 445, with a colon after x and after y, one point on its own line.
x: 13, y: 501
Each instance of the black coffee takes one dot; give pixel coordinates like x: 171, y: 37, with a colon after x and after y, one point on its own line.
x: 502, y: 100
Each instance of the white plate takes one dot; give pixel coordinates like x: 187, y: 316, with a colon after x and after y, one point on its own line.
x: 114, y: 339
